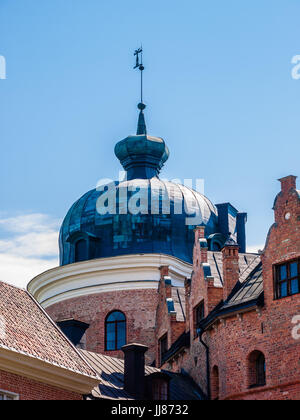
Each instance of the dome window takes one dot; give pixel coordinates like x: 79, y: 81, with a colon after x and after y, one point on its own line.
x: 81, y: 251
x: 84, y: 246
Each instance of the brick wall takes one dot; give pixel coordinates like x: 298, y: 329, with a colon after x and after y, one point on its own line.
x: 268, y: 330
x: 166, y: 323
x: 139, y: 306
x: 32, y: 390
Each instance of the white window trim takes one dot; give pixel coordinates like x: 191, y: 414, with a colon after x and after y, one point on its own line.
x: 12, y: 395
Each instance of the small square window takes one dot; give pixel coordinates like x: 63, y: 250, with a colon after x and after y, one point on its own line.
x: 287, y: 279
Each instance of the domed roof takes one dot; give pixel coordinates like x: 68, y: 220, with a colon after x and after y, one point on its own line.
x: 168, y: 214
x: 140, y: 215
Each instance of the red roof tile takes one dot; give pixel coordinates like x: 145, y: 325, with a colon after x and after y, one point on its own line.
x: 26, y: 328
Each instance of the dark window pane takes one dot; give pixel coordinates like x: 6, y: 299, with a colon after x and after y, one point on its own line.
x: 121, y: 335
x: 283, y: 289
x: 81, y: 251
x: 283, y: 272
x: 294, y: 269
x: 294, y: 287
x: 115, y: 331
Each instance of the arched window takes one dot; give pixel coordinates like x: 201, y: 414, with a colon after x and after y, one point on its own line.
x: 115, y: 331
x: 215, y: 382
x: 257, y: 369
x: 81, y: 250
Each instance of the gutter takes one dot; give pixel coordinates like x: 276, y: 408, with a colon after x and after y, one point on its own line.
x: 201, y: 332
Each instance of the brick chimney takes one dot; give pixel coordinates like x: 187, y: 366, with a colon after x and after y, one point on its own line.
x: 231, y: 272
x: 166, y: 280
x: 134, y: 369
x: 288, y: 183
x: 201, y: 246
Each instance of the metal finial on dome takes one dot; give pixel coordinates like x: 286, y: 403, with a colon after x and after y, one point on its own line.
x: 141, y: 129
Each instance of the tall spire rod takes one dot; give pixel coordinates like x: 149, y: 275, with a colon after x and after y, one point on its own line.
x: 139, y: 64
x: 141, y: 129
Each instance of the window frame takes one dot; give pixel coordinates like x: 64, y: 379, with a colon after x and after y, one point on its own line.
x: 278, y: 281
x: 9, y: 396
x: 260, y: 368
x: 257, y: 370
x: 195, y: 314
x: 116, y: 330
x: 163, y: 339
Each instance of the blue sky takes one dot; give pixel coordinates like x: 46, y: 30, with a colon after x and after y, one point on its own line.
x: 218, y: 87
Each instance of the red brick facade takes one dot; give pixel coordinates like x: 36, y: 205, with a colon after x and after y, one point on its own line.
x: 139, y: 307
x: 238, y: 341
x: 235, y: 340
x: 166, y: 322
x: 28, y: 389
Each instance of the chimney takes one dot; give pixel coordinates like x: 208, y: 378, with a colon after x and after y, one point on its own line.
x: 166, y: 280
x: 134, y: 369
x: 288, y: 183
x: 200, y: 238
x: 231, y: 272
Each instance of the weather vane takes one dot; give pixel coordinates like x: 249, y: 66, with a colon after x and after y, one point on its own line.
x: 139, y: 64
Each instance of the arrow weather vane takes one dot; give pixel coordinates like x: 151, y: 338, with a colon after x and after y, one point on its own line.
x: 139, y: 64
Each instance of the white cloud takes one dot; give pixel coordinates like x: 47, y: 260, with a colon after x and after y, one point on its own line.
x: 28, y: 247
x: 255, y: 248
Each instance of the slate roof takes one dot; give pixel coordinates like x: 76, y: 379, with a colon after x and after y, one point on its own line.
x: 178, y: 297
x: 111, y: 386
x: 246, y: 294
x: 28, y: 330
x: 247, y: 263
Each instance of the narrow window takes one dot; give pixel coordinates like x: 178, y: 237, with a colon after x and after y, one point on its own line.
x: 215, y: 383
x: 199, y: 315
x: 163, y: 345
x: 257, y: 369
x: 287, y: 279
x: 115, y: 331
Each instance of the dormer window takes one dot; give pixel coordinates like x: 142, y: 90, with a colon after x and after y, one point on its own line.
x: 287, y: 279
x: 84, y: 246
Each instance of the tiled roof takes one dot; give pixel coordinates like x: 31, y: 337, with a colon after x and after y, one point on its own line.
x: 111, y: 386
x: 247, y: 263
x: 28, y: 330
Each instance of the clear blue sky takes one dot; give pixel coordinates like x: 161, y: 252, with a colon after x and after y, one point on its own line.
x: 218, y: 87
